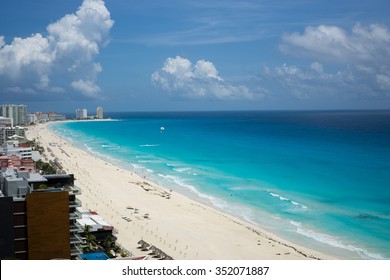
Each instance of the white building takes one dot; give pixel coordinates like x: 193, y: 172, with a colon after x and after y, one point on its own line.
x: 12, y: 148
x: 99, y: 112
x: 8, y: 133
x: 56, y: 117
x: 6, y: 122
x: 32, y: 118
x: 18, y: 113
x: 81, y: 114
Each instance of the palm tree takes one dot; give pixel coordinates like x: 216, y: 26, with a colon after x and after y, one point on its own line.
x: 91, y: 242
x: 89, y: 238
x: 87, y: 229
x: 108, y: 243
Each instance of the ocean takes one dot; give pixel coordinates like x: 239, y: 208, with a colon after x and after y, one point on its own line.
x: 320, y: 179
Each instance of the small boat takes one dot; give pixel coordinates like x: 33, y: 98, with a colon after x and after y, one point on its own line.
x: 162, y: 129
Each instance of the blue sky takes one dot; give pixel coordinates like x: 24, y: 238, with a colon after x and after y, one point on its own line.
x: 132, y: 55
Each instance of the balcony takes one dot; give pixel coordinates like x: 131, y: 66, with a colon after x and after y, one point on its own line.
x: 74, y: 190
x: 76, y: 227
x: 74, y: 215
x: 76, y: 239
x: 74, y: 203
x: 75, y: 250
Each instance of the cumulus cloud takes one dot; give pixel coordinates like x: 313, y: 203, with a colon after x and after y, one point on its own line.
x: 361, y: 57
x: 87, y: 87
x: 67, y: 52
x: 315, y: 82
x: 364, y: 44
x: 199, y: 80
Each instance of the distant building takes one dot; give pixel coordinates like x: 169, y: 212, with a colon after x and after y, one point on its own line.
x: 8, y: 133
x: 7, y: 122
x: 14, y: 148
x: 56, y: 117
x: 51, y: 116
x: 18, y: 113
x: 32, y: 118
x: 81, y: 114
x: 17, y: 163
x: 99, y: 112
x: 38, y: 216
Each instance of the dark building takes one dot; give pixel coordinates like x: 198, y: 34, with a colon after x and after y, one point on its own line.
x: 38, y: 216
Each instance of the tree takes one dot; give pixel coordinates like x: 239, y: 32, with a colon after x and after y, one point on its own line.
x: 45, y: 167
x: 90, y: 239
x: 108, y: 245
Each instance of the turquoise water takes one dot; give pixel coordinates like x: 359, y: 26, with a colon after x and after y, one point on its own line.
x: 320, y: 179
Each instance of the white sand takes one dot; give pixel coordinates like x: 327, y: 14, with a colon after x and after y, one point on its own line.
x: 179, y: 226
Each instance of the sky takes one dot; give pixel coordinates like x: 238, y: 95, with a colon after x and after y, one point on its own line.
x: 191, y: 55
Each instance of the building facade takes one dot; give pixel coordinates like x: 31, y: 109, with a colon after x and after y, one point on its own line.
x: 38, y: 215
x: 18, y: 113
x: 6, y: 122
x: 8, y: 133
x: 99, y: 112
x: 81, y: 114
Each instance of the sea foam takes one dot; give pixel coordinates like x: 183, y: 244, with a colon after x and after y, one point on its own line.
x: 333, y: 241
x: 282, y: 198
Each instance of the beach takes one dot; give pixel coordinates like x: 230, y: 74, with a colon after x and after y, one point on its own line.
x: 139, y: 209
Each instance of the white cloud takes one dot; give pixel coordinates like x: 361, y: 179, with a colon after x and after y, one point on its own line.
x: 364, y: 44
x: 384, y: 82
x: 315, y: 82
x: 317, y: 67
x: 89, y: 88
x: 32, y: 54
x: 41, y: 63
x: 361, y: 55
x: 180, y: 76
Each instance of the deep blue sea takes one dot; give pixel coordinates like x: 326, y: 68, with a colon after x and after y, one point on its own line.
x: 319, y: 179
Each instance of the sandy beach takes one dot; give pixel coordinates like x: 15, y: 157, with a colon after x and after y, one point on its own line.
x: 182, y: 228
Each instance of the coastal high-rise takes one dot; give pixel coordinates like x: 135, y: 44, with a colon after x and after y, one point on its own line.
x: 18, y: 113
x: 81, y: 114
x: 99, y: 112
x: 38, y: 216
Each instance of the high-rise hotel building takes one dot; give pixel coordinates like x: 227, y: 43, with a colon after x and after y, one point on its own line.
x: 18, y: 113
x: 38, y: 216
x: 99, y: 112
x: 12, y: 117
x: 81, y: 114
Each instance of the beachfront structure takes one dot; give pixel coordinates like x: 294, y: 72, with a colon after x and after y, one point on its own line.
x: 50, y: 116
x: 17, y: 163
x: 9, y: 133
x: 56, y: 117
x: 6, y: 122
x: 32, y: 119
x: 14, y: 148
x: 81, y: 114
x: 38, y: 216
x: 18, y: 113
x: 42, y: 117
x: 99, y: 112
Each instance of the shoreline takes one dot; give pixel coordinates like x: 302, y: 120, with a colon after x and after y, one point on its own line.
x: 179, y: 226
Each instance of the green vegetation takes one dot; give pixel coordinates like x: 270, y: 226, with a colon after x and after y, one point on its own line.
x: 45, y: 168
x: 42, y: 167
x: 108, y: 245
x: 42, y: 186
